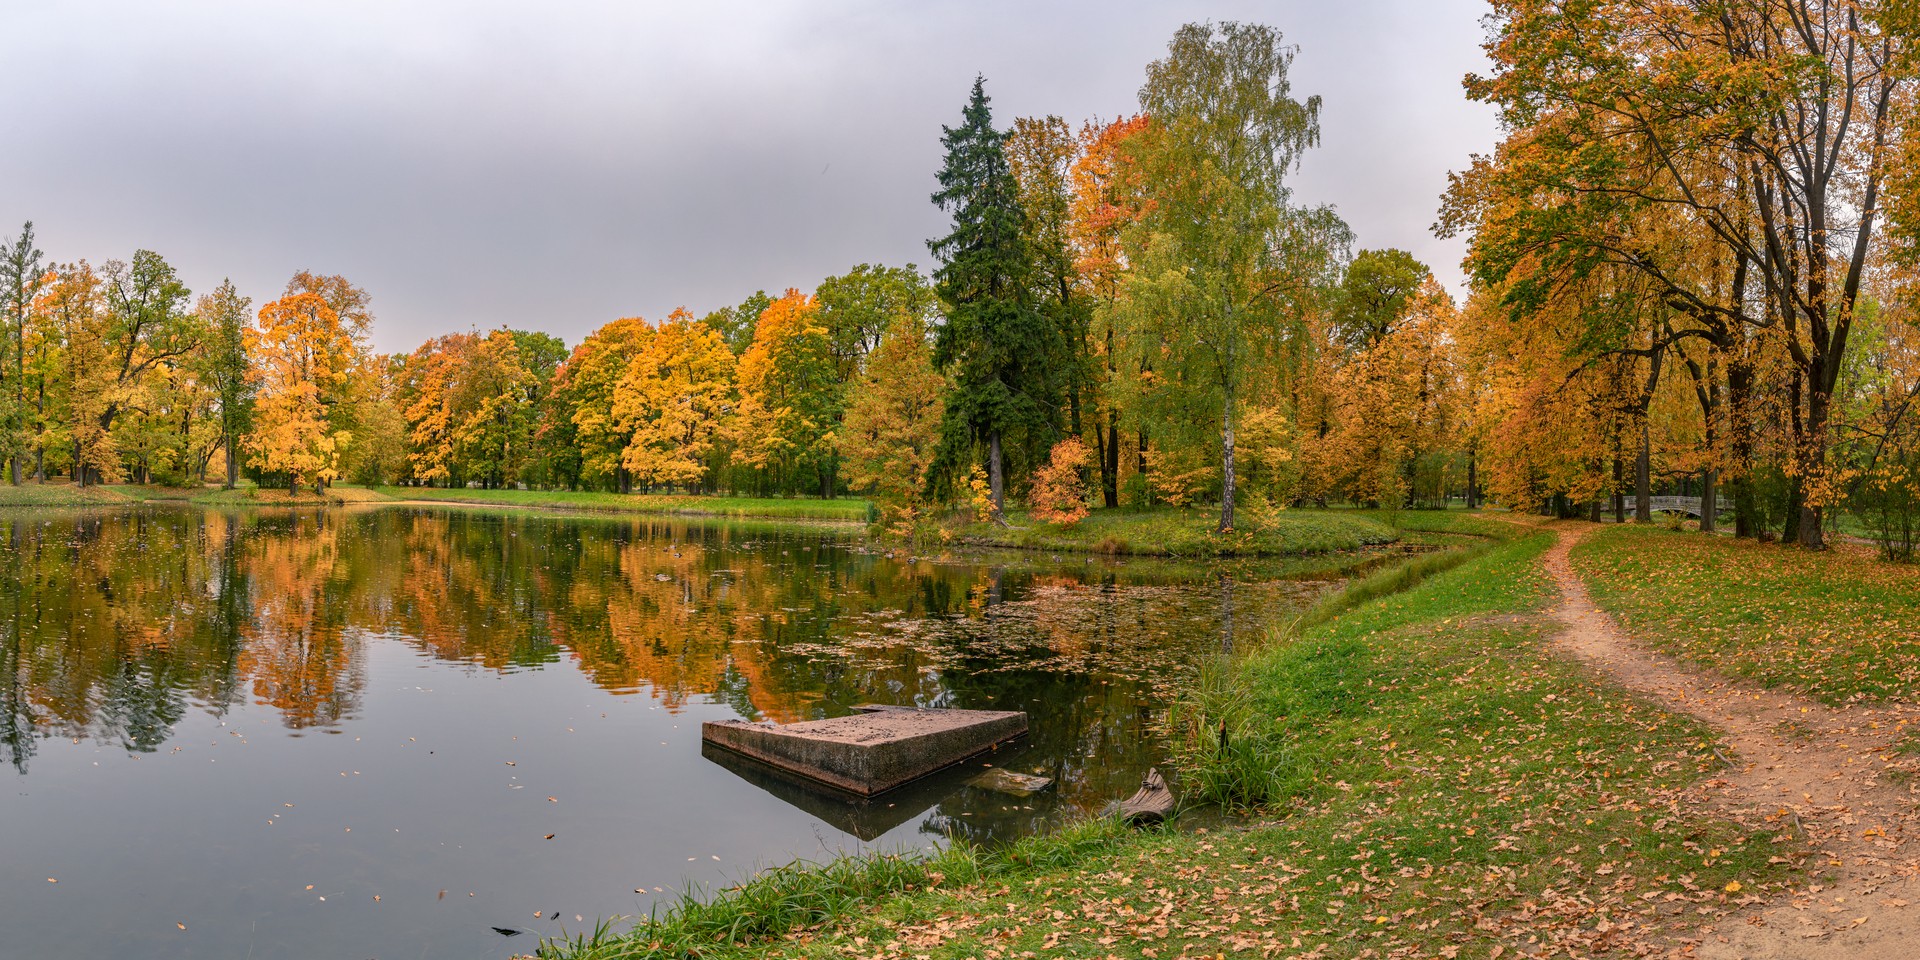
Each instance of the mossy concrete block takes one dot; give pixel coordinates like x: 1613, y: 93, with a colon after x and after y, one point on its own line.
x: 870, y: 752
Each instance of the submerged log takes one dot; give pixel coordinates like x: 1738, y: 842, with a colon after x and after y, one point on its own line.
x: 1152, y: 803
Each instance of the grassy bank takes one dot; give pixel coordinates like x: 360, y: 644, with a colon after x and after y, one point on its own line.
x: 1185, y: 533
x: 1427, y: 781
x: 57, y: 495
x: 763, y: 507
x: 1838, y: 624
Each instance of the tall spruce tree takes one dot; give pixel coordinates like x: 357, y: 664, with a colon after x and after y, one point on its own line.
x: 995, y: 343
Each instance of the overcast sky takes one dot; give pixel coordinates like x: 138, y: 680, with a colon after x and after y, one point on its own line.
x: 556, y: 165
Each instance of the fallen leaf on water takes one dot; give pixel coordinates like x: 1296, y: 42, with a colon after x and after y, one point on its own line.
x: 181, y: 925
x: 442, y: 896
x: 549, y: 836
x: 506, y: 932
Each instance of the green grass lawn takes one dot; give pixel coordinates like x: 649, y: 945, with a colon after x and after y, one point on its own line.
x: 765, y: 507
x: 1837, y: 624
x: 57, y: 495
x: 1431, y: 781
x: 1186, y: 533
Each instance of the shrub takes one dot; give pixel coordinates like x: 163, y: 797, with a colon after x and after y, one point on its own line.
x: 1059, y: 493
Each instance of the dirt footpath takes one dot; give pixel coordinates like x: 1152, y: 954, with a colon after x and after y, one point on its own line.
x: 1817, y: 770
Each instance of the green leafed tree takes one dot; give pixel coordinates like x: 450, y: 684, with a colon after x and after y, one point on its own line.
x: 223, y: 364
x: 859, y: 306
x: 1221, y: 252
x: 736, y: 324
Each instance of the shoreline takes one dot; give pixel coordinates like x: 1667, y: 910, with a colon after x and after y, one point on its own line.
x: 1350, y: 737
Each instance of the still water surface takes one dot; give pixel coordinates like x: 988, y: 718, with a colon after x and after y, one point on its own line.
x: 383, y: 732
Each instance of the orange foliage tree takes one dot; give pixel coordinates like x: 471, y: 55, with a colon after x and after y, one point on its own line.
x: 302, y: 354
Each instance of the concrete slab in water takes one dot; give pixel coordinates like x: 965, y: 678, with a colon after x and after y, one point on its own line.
x: 1002, y: 780
x: 870, y: 752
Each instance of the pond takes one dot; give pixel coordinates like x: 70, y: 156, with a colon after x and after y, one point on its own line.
x: 387, y: 731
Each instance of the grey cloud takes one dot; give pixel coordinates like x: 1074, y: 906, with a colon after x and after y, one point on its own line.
x: 557, y: 165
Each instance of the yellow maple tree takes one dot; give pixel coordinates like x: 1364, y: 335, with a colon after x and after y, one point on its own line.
x: 302, y: 355
x: 672, y: 401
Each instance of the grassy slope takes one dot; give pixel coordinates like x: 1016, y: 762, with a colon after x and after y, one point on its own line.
x: 57, y: 495
x: 1185, y: 533
x: 1440, y: 783
x: 1836, y: 625
x: 252, y: 496
x: 794, y: 509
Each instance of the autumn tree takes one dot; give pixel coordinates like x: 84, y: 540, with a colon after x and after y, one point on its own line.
x: 1041, y: 155
x: 582, y: 398
x: 304, y: 354
x: 149, y: 332
x: 791, y: 396
x: 378, y: 453
x: 1765, y: 127
x: 672, y: 401
x: 1108, y: 199
x: 73, y: 309
x: 893, y: 420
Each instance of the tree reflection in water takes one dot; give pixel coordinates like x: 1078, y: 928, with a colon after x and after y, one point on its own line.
x: 115, y: 623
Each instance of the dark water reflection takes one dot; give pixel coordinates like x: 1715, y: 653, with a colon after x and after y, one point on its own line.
x: 350, y: 733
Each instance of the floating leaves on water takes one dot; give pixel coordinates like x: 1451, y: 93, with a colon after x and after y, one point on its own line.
x: 508, y: 931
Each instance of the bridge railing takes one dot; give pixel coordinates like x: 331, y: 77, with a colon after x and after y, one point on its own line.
x: 1687, y: 505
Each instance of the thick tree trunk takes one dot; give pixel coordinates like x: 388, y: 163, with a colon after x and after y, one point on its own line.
x: 1643, y: 476
x: 231, y: 465
x: 1110, y: 462
x: 996, y: 477
x: 1709, y: 500
x: 1473, y: 483
x: 1813, y: 464
x: 1619, y: 494
x: 1740, y: 441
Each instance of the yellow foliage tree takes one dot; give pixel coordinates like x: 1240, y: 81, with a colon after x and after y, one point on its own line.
x: 673, y: 400
x: 892, y: 427
x: 303, y: 355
